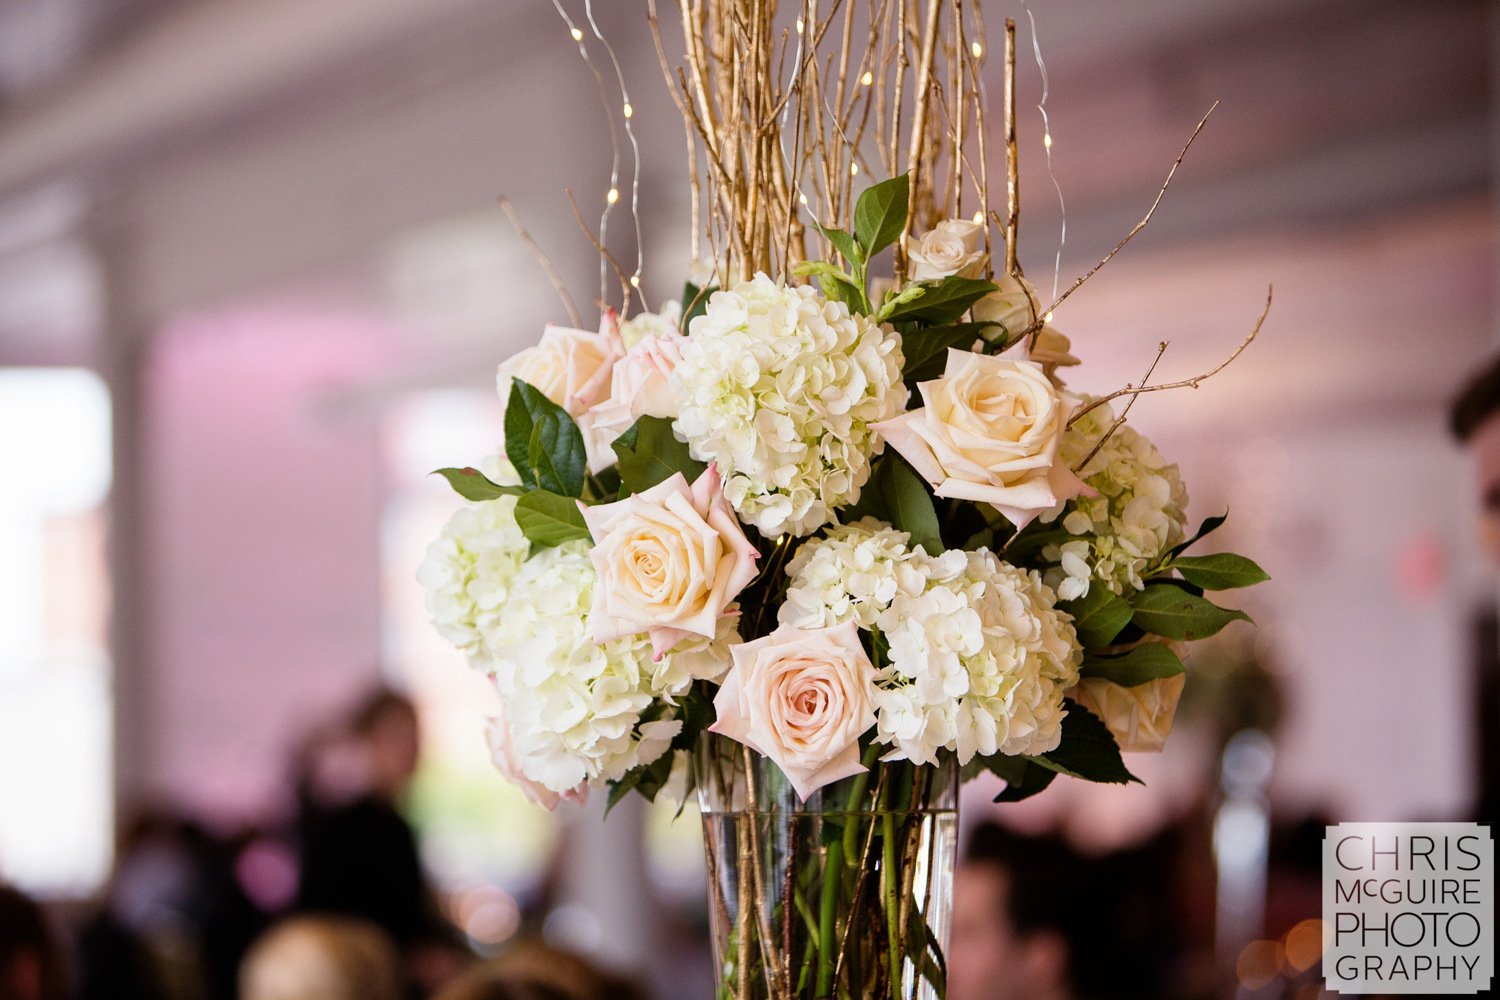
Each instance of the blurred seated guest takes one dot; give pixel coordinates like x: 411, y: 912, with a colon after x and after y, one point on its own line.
x: 29, y: 965
x: 358, y: 855
x: 554, y: 973
x: 488, y: 983
x: 1028, y: 923
x: 322, y: 958
x: 174, y: 920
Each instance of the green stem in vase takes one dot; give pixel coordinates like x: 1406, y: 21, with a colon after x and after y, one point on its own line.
x: 892, y: 894
x: 827, y: 913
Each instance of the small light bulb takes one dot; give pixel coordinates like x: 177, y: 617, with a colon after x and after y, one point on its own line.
x: 978, y: 218
x: 577, y: 35
x: 1047, y: 316
x: 800, y: 26
x: 853, y: 169
x: 635, y: 281
x: 802, y: 198
x: 1047, y: 140
x: 868, y: 78
x: 977, y: 49
x: 613, y: 196
x: 628, y: 109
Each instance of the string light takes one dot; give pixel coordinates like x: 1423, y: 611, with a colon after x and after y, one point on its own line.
x: 802, y: 199
x: 800, y: 26
x: 629, y: 111
x: 1062, y: 237
x: 978, y: 218
x: 978, y: 50
x: 635, y: 281
x: 577, y: 34
x: 613, y: 196
x: 1047, y: 140
x: 1047, y: 316
x: 867, y: 79
x: 853, y: 169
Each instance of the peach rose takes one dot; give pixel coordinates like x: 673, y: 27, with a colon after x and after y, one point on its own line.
x: 637, y: 388
x: 802, y: 698
x: 989, y: 432
x: 503, y: 753
x: 1140, y: 717
x: 670, y: 560
x: 951, y: 247
x: 570, y: 367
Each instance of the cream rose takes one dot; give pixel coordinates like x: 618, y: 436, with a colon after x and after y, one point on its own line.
x: 670, y: 560
x: 802, y: 698
x: 1140, y: 717
x: 570, y: 367
x: 989, y: 432
x: 637, y: 388
x: 951, y: 247
x: 503, y: 753
x: 1014, y: 307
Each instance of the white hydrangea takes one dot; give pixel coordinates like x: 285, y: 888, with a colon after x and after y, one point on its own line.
x: 1140, y: 511
x: 978, y: 663
x: 855, y: 571
x: 469, y: 571
x: 576, y: 708
x: 663, y: 323
x: 779, y: 386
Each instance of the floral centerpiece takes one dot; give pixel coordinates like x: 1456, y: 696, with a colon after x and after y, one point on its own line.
x: 819, y: 552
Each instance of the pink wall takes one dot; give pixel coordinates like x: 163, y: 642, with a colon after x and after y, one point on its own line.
x: 261, y: 521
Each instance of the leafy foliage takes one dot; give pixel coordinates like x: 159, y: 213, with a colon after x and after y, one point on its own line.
x: 543, y: 442
x: 897, y: 495
x: 547, y: 519
x: 1178, y: 614
x: 943, y: 300
x: 1099, y: 616
x: 1220, y: 571
x: 880, y: 215
x: 471, y: 484
x: 1088, y: 749
x: 649, y: 453
x: 1147, y: 662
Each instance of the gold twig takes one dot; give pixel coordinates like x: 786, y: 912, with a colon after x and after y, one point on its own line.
x: 1144, y: 219
x: 604, y: 254
x: 1161, y: 349
x: 1012, y: 154
x: 1187, y: 383
x: 541, y: 258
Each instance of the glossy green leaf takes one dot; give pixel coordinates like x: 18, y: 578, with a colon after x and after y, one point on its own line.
x: 1098, y: 616
x: 547, y: 519
x: 1173, y: 612
x: 880, y: 214
x: 1220, y: 571
x: 649, y: 453
x: 924, y: 351
x: 1088, y: 749
x: 897, y: 495
x: 941, y: 301
x: 1147, y: 662
x: 543, y: 442
x: 471, y: 484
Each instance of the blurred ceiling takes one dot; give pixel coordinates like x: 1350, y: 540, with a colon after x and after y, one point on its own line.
x: 246, y: 142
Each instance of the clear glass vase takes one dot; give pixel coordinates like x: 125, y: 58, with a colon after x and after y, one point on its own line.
x: 846, y: 896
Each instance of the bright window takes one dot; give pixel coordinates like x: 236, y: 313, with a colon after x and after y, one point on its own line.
x: 55, y: 796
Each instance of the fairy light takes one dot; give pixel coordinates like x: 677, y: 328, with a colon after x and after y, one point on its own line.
x: 1047, y: 316
x: 613, y: 196
x: 577, y: 34
x: 978, y: 218
x: 628, y: 110
x: 978, y: 50
x: 867, y: 79
x: 1062, y: 237
x: 635, y: 281
x: 802, y: 199
x: 801, y: 27
x: 853, y: 169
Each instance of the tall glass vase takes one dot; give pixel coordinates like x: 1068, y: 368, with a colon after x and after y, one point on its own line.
x: 846, y: 896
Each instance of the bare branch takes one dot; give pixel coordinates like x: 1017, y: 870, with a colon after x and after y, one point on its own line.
x: 541, y: 258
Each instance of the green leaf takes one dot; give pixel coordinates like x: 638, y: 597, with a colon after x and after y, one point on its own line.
x: 543, y: 442
x: 942, y: 301
x: 1147, y: 662
x: 897, y: 495
x: 925, y: 350
x: 650, y: 453
x: 1220, y: 571
x: 1023, y: 779
x: 1088, y: 749
x: 1173, y: 612
x: 880, y: 215
x: 471, y: 484
x: 694, y: 302
x: 547, y: 519
x: 844, y: 244
x: 1208, y: 527
x: 1098, y: 616
x: 836, y: 284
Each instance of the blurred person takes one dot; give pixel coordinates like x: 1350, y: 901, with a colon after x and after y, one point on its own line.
x: 322, y: 958
x: 30, y: 967
x: 1474, y: 419
x: 561, y: 973
x: 1034, y: 920
x: 358, y: 854
x: 489, y: 983
x: 174, y: 920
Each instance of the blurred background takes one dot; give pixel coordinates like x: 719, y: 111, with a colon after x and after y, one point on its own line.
x: 254, y: 281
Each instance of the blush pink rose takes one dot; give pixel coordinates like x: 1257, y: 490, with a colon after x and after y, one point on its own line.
x: 802, y: 698
x: 637, y: 388
x: 503, y: 753
x: 570, y: 367
x: 989, y: 432
x: 670, y: 560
